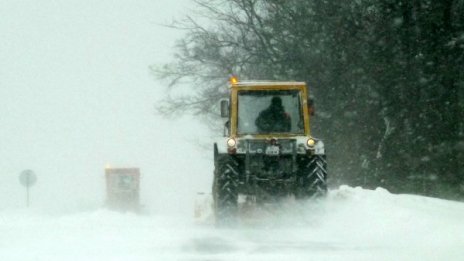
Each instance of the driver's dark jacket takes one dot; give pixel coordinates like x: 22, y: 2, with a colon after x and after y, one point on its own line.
x: 273, y: 119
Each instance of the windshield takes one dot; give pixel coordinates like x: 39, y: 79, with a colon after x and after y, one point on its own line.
x: 263, y: 112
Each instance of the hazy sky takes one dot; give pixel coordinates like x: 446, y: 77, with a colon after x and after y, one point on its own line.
x: 76, y: 94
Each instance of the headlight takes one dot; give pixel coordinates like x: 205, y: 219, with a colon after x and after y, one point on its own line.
x: 231, y: 142
x: 311, y: 142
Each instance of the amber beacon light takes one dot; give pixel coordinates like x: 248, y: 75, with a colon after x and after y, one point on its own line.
x: 233, y: 79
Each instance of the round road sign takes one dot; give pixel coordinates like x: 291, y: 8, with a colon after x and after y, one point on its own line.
x: 27, y: 178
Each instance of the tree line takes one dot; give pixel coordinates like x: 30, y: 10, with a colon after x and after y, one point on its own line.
x: 387, y: 77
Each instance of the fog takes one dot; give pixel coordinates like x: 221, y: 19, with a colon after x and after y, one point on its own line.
x: 76, y: 95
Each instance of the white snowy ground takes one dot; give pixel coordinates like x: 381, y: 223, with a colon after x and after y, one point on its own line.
x: 351, y: 224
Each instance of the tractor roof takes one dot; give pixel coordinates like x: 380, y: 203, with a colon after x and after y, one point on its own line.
x: 267, y: 83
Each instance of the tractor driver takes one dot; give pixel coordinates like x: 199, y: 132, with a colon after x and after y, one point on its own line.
x: 274, y: 118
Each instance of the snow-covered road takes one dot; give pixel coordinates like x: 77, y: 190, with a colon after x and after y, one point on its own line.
x: 351, y: 224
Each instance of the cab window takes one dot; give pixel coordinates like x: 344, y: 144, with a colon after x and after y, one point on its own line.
x: 272, y: 111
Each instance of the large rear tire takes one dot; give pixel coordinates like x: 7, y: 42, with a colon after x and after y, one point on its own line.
x: 312, y: 178
x: 225, y: 189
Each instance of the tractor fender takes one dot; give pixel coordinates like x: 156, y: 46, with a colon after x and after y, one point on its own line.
x: 319, y: 148
x: 221, y: 146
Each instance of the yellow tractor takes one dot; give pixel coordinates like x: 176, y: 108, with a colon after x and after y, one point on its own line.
x: 267, y: 152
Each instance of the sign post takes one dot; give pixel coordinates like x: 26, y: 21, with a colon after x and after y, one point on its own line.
x: 27, y: 178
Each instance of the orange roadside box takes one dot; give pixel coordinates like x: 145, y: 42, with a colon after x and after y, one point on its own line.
x: 123, y: 188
